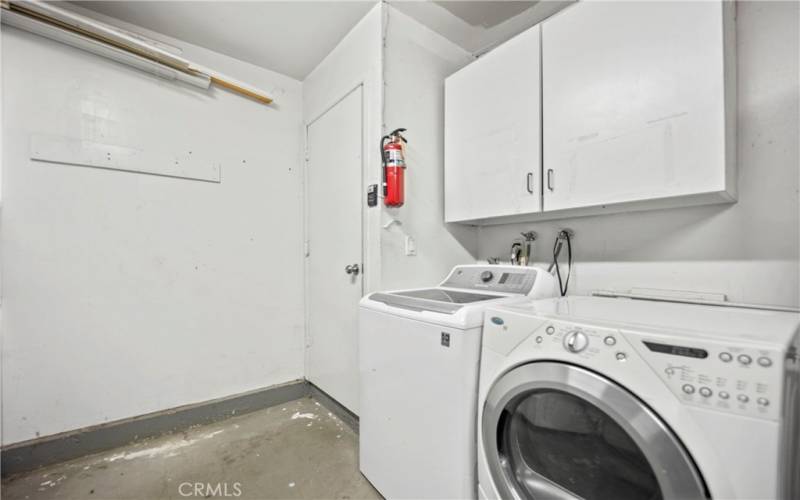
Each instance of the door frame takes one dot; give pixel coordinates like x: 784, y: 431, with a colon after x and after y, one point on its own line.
x: 364, y: 264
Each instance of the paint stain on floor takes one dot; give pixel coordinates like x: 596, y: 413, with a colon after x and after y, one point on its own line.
x: 295, y: 450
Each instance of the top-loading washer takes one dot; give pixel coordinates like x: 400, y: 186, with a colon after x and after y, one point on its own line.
x: 588, y: 397
x: 418, y: 355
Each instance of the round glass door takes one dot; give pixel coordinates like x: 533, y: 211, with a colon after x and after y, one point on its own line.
x: 553, y: 430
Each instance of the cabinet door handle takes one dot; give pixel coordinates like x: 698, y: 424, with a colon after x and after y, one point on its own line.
x: 530, y: 182
x: 550, y: 179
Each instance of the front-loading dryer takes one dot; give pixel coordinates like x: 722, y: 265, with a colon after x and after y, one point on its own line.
x: 602, y: 398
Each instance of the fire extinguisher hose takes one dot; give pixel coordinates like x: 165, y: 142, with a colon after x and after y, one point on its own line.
x: 383, y: 164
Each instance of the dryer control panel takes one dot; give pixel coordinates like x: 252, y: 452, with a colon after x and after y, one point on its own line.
x: 734, y: 375
x: 742, y: 379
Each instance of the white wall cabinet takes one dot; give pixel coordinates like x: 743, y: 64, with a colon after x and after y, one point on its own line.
x: 493, y: 133
x: 637, y: 110
x: 634, y: 104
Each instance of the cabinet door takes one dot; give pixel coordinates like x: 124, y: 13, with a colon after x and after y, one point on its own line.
x: 493, y: 133
x: 633, y: 102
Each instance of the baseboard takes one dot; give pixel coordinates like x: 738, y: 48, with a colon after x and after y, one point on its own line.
x: 35, y: 453
x: 345, y: 415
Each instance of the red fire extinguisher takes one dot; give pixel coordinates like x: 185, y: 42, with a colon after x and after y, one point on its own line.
x: 394, y: 165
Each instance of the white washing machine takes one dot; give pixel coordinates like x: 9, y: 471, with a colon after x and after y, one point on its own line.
x: 588, y: 397
x: 418, y: 354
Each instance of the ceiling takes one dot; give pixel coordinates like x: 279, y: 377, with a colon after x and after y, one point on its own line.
x: 478, y: 26
x: 486, y: 14
x: 290, y: 37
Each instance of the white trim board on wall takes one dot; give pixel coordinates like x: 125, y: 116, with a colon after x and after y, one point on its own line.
x: 146, y: 160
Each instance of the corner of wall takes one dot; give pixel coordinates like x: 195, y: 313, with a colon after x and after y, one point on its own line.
x: 416, y: 62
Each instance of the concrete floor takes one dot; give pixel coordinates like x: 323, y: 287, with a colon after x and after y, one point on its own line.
x: 295, y: 450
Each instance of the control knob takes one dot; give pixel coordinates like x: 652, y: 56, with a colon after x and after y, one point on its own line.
x: 576, y: 341
x: 486, y: 276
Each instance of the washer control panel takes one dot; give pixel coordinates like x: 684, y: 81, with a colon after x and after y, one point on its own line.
x: 493, y: 278
x: 733, y: 378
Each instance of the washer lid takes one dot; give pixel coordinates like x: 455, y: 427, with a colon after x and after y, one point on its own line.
x: 431, y: 299
x: 442, y: 295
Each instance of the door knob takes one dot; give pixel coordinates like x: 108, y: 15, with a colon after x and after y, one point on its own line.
x: 352, y: 269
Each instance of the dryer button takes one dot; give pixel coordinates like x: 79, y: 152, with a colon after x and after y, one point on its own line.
x: 764, y: 361
x: 743, y: 398
x: 705, y: 392
x: 725, y: 356
x: 688, y: 388
x: 610, y: 340
x: 763, y: 402
x: 744, y: 359
x: 724, y: 395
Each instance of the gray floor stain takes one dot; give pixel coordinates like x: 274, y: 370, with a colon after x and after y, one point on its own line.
x: 295, y: 450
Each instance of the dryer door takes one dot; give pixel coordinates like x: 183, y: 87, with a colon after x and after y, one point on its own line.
x: 553, y: 430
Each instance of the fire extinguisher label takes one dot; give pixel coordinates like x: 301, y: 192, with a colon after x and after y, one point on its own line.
x: 394, y: 158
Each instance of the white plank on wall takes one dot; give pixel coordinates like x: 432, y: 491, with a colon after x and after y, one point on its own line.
x: 69, y: 151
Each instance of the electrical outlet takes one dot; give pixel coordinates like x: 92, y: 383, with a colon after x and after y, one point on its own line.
x: 411, y: 246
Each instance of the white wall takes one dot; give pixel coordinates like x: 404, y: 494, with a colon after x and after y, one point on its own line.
x: 127, y: 293
x: 749, y: 250
x: 416, y: 63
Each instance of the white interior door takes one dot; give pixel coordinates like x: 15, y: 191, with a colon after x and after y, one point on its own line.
x: 334, y: 232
